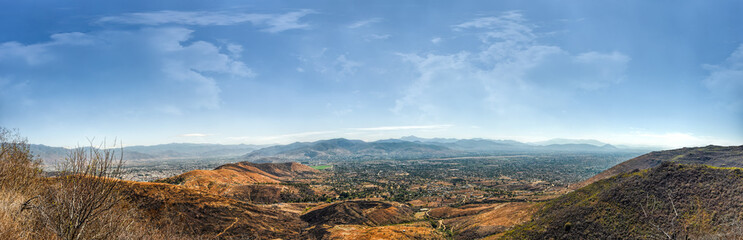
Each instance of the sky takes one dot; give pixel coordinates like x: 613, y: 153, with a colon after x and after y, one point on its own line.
x: 660, y: 73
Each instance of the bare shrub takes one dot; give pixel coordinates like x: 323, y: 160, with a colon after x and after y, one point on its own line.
x: 19, y: 182
x: 19, y: 169
x: 79, y: 202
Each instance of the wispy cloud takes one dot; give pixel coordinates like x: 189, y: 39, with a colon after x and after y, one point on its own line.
x: 397, y: 128
x: 346, y: 67
x: 371, y: 37
x: 337, y: 67
x: 281, y: 138
x: 365, y: 22
x: 172, y: 72
x: 38, y: 53
x: 194, y: 135
x: 726, y: 79
x: 513, y: 75
x: 270, y: 22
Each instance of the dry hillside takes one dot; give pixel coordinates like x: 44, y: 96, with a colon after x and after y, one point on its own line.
x: 669, y: 201
x: 710, y: 155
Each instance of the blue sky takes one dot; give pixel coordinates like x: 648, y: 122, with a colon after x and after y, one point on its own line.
x: 664, y: 73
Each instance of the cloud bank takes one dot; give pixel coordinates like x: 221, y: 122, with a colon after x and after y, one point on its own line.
x: 158, y: 68
x: 512, y: 74
x: 272, y: 23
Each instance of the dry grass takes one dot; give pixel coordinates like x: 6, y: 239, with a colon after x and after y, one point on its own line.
x: 82, y: 202
x: 19, y: 182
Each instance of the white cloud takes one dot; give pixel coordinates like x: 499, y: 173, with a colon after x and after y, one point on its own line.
x: 371, y: 37
x: 726, y: 78
x: 283, y: 138
x: 34, y: 54
x: 13, y: 94
x: 270, y: 22
x: 513, y: 75
x: 510, y: 26
x: 194, y: 135
x: 336, y: 67
x: 364, y: 22
x: 436, y: 40
x: 345, y: 67
x: 171, y: 72
x: 235, y: 50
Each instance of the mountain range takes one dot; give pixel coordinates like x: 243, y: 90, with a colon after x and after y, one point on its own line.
x: 409, y: 147
x: 155, y: 152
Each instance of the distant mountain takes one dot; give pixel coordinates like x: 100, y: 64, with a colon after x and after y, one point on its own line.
x: 579, y: 147
x: 50, y: 155
x: 563, y: 141
x: 344, y: 149
x: 479, y: 145
x: 484, y: 145
x: 177, y: 150
x: 676, y: 194
x: 408, y: 148
x: 428, y: 140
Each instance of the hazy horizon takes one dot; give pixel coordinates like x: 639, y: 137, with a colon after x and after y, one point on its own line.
x: 666, y: 74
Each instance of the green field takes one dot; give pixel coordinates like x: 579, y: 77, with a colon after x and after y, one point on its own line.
x: 321, y: 167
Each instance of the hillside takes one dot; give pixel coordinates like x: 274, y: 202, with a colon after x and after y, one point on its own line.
x: 361, y: 212
x: 198, y: 214
x: 363, y: 218
x: 670, y: 200
x: 244, y: 173
x: 710, y: 155
x: 253, y: 182
x: 476, y: 221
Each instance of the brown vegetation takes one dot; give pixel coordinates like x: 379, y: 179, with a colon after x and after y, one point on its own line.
x: 195, y: 213
x: 80, y: 203
x: 481, y: 220
x: 711, y: 155
x: 362, y: 212
x: 402, y: 232
x: 670, y: 201
x: 237, y: 180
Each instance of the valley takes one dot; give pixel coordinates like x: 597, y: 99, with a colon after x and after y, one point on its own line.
x: 442, y: 189
x: 475, y: 195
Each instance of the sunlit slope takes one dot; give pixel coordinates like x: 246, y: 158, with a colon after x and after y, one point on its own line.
x: 711, y: 155
x: 670, y: 200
